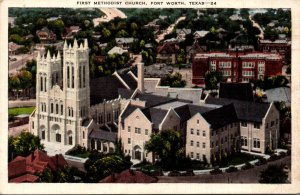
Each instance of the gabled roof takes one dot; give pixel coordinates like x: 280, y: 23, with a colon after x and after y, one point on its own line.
x: 124, y: 40
x: 247, y: 111
x: 168, y: 47
x: 155, y: 115
x: 238, y: 91
x: 183, y: 30
x: 220, y: 117
x: 187, y: 111
x: 201, y: 33
x: 116, y: 50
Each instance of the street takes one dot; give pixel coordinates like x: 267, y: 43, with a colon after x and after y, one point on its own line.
x: 14, y: 66
x: 242, y: 176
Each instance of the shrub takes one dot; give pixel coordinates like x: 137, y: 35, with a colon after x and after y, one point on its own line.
x: 261, y: 161
x: 247, y: 166
x: 216, y: 171
x: 231, y: 169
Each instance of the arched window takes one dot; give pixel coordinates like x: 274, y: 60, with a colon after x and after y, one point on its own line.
x: 45, y: 84
x: 61, y: 109
x: 80, y: 76
x: 68, y: 76
x: 72, y: 76
x: 41, y: 79
x: 83, y: 76
x: 51, y: 109
x: 56, y: 109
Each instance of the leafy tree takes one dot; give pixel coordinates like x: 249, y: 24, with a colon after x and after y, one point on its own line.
x: 212, y: 79
x: 273, y: 174
x: 168, y: 145
x: 181, y: 56
x: 173, y: 80
x: 57, y: 26
x: 24, y: 144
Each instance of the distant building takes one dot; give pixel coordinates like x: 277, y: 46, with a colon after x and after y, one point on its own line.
x: 13, y: 48
x: 181, y: 33
x: 167, y: 53
x: 129, y: 176
x: 281, y: 46
x: 71, y: 32
x: 23, y: 169
x: 236, y: 66
x: 125, y: 43
x: 200, y: 34
x: 117, y: 50
x: 46, y: 36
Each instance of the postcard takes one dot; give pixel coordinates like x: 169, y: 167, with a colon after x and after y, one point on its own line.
x: 141, y: 96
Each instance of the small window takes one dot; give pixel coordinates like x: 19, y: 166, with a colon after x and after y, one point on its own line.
x: 256, y: 143
x: 267, y: 125
x: 61, y: 109
x: 256, y: 125
x: 192, y: 154
x: 129, y: 141
x: 272, y: 123
x: 51, y: 108
x: 244, y: 124
x: 198, y: 156
x: 192, y: 143
x: 203, y: 133
x: 129, y: 128
x: 192, y: 131
x: 198, y: 144
x: 198, y: 121
x: 43, y: 134
x: 203, y: 145
x: 83, y: 135
x: 146, y: 131
x: 221, y: 140
x: 198, y: 132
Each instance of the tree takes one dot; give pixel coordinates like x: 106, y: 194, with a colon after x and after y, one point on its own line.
x: 273, y: 174
x: 212, y: 79
x: 168, y: 145
x: 181, y: 56
x: 173, y: 80
x: 24, y: 144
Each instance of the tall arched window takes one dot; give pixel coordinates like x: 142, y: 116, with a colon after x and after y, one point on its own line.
x: 41, y: 79
x: 83, y: 76
x: 80, y: 76
x: 68, y: 76
x: 72, y: 76
x: 56, y: 108
x: 45, y: 84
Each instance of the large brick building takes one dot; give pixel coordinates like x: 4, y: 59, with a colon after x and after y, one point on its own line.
x: 281, y: 46
x: 236, y: 66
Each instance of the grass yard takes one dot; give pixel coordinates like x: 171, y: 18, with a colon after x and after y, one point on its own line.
x: 17, y: 111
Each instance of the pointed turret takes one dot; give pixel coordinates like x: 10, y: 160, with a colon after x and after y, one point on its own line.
x: 86, y: 45
x: 58, y: 56
x: 48, y: 56
x: 65, y: 45
x: 38, y: 55
x: 75, y: 45
x: 81, y: 46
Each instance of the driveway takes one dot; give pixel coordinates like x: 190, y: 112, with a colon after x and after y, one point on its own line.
x: 242, y: 176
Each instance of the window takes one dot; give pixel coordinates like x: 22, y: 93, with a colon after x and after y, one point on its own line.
x: 146, y: 131
x: 61, y: 109
x: 267, y: 125
x: 129, y: 128
x: 212, y: 144
x: 256, y: 125
x: 72, y: 76
x: 51, y: 108
x: 204, y: 157
x: 198, y: 132
x: 198, y: 144
x: 198, y: 156
x: 68, y: 76
x: 192, y: 131
x: 192, y: 143
x: 198, y: 121
x: 231, y: 125
x: 192, y: 154
x: 203, y: 145
x: 138, y: 130
x: 272, y: 123
x: 56, y: 108
x: 129, y: 141
x: 225, y: 138
x: 83, y: 135
x: 58, y: 137
x: 32, y: 125
x: 256, y: 143
x: 43, y: 134
x: 244, y: 124
x: 221, y: 140
x: 203, y: 133
x: 244, y: 141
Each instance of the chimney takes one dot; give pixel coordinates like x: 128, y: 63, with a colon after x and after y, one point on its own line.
x: 140, y: 67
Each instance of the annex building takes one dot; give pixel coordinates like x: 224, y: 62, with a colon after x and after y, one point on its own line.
x: 73, y: 110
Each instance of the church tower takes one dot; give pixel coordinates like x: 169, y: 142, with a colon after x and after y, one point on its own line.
x: 62, y: 96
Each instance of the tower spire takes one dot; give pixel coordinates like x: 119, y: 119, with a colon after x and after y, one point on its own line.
x: 75, y: 44
x: 86, y: 46
x: 65, y: 45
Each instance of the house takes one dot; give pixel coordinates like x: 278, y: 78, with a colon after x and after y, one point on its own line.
x: 200, y: 34
x: 46, y: 36
x: 13, y: 48
x: 71, y: 32
x: 167, y: 53
x: 236, y: 66
x: 117, y: 50
x: 181, y: 33
x: 194, y: 49
x: 23, y: 169
x: 125, y: 43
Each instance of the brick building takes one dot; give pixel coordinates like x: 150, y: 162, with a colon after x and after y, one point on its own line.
x: 283, y: 47
x: 236, y: 66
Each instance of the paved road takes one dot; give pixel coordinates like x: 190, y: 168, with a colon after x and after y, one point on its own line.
x: 169, y: 29
x: 21, y: 103
x: 110, y: 13
x: 14, y: 66
x: 243, y: 176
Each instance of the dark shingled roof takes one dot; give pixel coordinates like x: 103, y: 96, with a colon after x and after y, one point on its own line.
x: 104, y: 88
x: 103, y: 135
x: 187, y: 111
x: 125, y: 93
x: 238, y: 91
x: 247, y: 111
x: 129, y: 80
x: 155, y: 115
x: 128, y: 110
x: 221, y: 116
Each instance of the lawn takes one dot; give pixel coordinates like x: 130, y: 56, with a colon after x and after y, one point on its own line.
x: 17, y: 111
x: 237, y: 159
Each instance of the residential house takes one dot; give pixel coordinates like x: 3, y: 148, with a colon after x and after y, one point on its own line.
x: 71, y: 32
x: 117, y: 50
x: 167, y: 53
x: 125, y: 43
x: 181, y: 33
x: 46, y: 36
x: 200, y: 34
